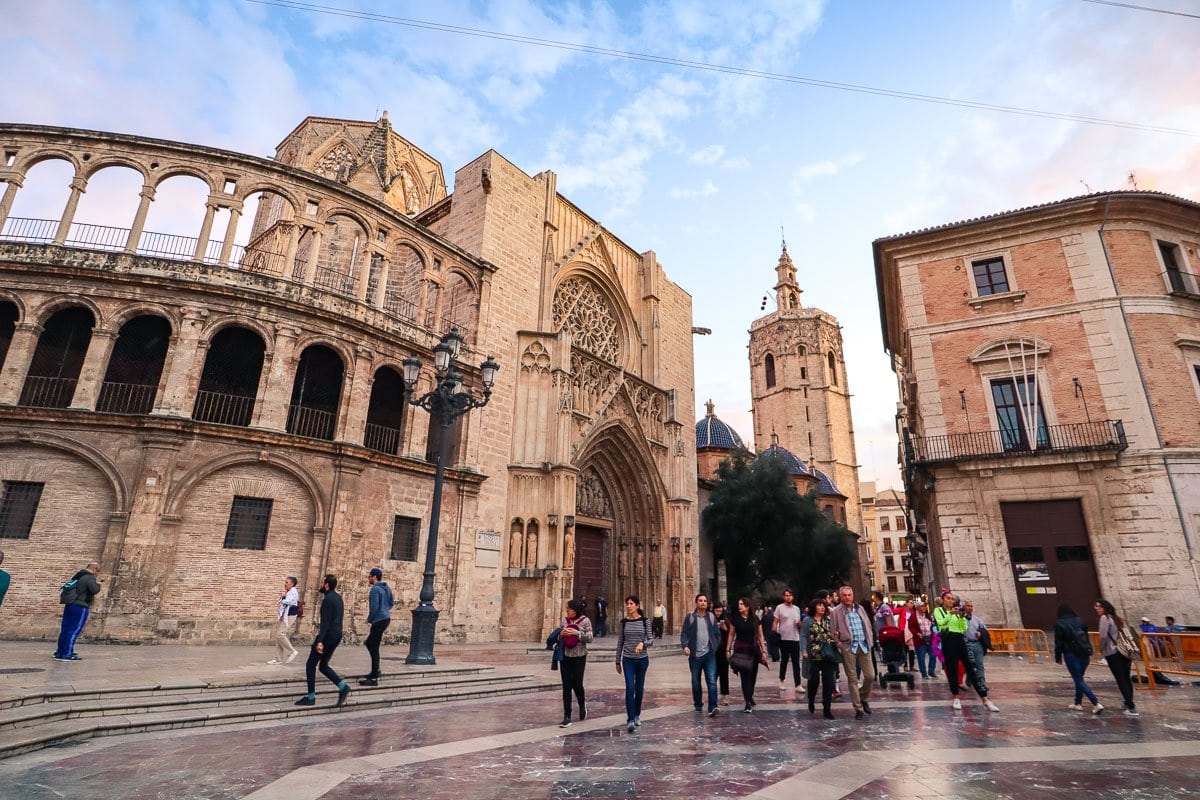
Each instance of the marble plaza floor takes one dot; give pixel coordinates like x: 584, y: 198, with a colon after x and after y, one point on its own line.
x: 913, y: 745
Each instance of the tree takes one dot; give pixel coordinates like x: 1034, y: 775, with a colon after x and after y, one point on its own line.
x: 770, y: 535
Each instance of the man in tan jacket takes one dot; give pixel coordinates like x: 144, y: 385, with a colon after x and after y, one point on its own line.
x: 856, y: 636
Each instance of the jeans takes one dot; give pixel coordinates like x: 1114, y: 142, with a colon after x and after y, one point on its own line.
x: 821, y: 674
x: 925, y: 660
x: 320, y: 660
x: 73, y: 619
x: 571, y: 671
x: 1076, y: 666
x: 1119, y: 665
x: 789, y: 651
x: 708, y: 664
x: 975, y: 655
x: 602, y: 626
x: 372, y: 644
x: 634, y: 670
x: 854, y: 663
x: 954, y: 649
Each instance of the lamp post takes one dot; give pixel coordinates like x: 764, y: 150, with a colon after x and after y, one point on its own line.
x: 449, y: 400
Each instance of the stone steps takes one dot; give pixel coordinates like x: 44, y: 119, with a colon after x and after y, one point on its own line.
x: 75, y: 717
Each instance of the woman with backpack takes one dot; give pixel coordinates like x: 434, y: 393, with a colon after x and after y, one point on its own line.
x: 1112, y: 631
x: 633, y: 638
x: 573, y: 638
x: 1073, y: 645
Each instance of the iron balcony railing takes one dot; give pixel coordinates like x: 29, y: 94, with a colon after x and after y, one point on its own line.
x: 1106, y: 434
x: 47, y: 392
x: 1183, y: 283
x: 382, y: 439
x: 311, y: 422
x: 223, y: 409
x: 125, y: 398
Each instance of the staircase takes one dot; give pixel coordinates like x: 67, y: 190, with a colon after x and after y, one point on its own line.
x: 54, y: 717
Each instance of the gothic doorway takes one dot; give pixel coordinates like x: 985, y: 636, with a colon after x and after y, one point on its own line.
x: 590, y: 543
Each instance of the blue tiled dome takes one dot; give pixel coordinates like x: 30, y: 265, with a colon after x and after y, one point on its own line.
x: 712, y: 432
x: 793, y: 464
x: 825, y: 484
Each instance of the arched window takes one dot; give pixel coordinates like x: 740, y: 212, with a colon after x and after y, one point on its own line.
x: 135, y: 367
x: 8, y: 326
x: 769, y: 366
x: 402, y: 295
x: 316, y: 393
x: 229, y: 382
x: 385, y: 414
x: 54, y: 370
x: 833, y: 376
x: 343, y: 262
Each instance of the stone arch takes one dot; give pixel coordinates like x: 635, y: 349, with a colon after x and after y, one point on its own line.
x: 9, y: 296
x: 255, y: 185
x: 221, y: 323
x: 113, y: 160
x: 57, y: 303
x: 126, y: 313
x: 324, y: 170
x: 183, y: 488
x: 350, y: 213
x: 343, y: 350
x: 165, y: 174
x: 769, y: 370
x: 22, y: 166
x: 626, y: 333
x: 1015, y: 346
x: 85, y: 452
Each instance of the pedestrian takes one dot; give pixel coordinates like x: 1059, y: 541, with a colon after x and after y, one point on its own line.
x: 952, y: 627
x: 881, y: 608
x: 699, y: 638
x: 921, y: 627
x: 286, y: 616
x: 855, y: 633
x: 660, y: 619
x: 726, y: 631
x: 977, y: 640
x: 379, y: 616
x: 1112, y: 627
x: 904, y: 617
x: 831, y: 602
x: 787, y: 624
x: 77, y: 596
x: 5, y: 579
x: 1170, y: 627
x: 769, y: 635
x: 633, y: 660
x: 824, y: 656
x: 747, y: 650
x: 329, y: 636
x: 574, y: 637
x: 601, y: 616
x: 1073, y: 646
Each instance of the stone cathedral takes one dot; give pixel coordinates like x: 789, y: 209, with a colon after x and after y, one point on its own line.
x: 209, y: 408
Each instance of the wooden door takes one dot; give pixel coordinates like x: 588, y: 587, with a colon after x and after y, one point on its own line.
x: 1051, y: 559
x: 589, y: 567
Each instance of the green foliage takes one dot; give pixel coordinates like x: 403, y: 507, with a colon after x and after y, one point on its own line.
x: 768, y: 534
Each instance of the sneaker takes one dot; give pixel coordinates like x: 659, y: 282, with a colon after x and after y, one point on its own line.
x: 1076, y: 707
x: 342, y: 695
x: 61, y: 658
x: 991, y: 706
x: 1096, y: 709
x: 712, y: 712
x: 292, y: 657
x: 566, y: 723
x: 369, y: 682
x: 957, y: 704
x: 73, y: 657
x: 629, y: 726
x: 637, y: 722
x: 748, y: 709
x: 866, y: 707
x: 274, y: 661
x: 306, y: 701
x: 1130, y: 712
x: 699, y: 709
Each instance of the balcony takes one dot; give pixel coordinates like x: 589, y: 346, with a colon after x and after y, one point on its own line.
x: 125, y: 398
x: 1079, y: 437
x: 1183, y: 284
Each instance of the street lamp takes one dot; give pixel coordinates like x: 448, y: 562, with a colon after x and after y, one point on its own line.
x: 448, y: 401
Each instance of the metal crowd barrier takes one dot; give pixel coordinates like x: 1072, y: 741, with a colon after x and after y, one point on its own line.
x: 1171, y: 654
x: 1022, y: 642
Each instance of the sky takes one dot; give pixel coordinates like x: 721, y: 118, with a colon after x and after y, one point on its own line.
x: 704, y: 167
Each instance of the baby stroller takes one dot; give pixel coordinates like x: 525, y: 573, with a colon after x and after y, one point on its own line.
x: 895, y: 657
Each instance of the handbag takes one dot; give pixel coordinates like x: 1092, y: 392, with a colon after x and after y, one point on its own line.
x: 741, y: 661
x: 830, y: 652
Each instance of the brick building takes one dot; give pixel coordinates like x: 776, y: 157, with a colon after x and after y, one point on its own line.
x: 1049, y: 369
x: 207, y: 413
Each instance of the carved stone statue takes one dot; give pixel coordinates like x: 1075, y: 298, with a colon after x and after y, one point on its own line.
x: 691, y: 568
x: 531, y: 545
x: 515, y: 541
x: 569, y: 548
x: 623, y: 561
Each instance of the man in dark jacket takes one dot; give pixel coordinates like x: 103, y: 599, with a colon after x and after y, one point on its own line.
x: 379, y: 616
x: 76, y: 595
x: 699, y: 637
x: 329, y: 636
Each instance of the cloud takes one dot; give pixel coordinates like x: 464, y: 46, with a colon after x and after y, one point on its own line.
x: 708, y: 155
x: 707, y: 189
x: 826, y: 168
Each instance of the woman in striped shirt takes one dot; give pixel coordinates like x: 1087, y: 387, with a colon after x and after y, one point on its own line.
x: 632, y: 659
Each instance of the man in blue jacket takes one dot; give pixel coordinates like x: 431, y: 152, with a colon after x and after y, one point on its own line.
x: 699, y: 639
x: 329, y: 636
x: 379, y: 616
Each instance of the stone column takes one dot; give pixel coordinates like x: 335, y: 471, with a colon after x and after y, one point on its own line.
x: 139, y: 219
x: 381, y: 281
x: 275, y: 386
x: 235, y: 213
x: 181, y: 373
x: 16, y: 363
x: 12, y: 183
x: 314, y: 253
x: 364, y: 277
x: 289, y: 258
x: 78, y: 187
x: 91, y: 374
x: 356, y: 398
x: 210, y: 211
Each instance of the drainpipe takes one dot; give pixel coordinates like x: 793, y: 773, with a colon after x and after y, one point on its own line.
x: 1187, y: 539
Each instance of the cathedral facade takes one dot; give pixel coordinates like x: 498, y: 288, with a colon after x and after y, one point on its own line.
x: 205, y: 414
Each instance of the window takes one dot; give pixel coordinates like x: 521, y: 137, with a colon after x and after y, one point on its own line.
x: 887, y: 545
x: 893, y: 584
x: 1013, y: 399
x: 18, y: 507
x: 899, y: 523
x: 885, y: 523
x: 804, y: 377
x: 990, y: 277
x: 1075, y: 552
x: 769, y: 367
x: 904, y: 545
x: 1173, y: 264
x: 249, y: 520
x: 832, y: 369
x: 891, y: 563
x: 404, y: 538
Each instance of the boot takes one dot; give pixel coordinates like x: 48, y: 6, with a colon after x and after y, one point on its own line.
x: 812, y: 706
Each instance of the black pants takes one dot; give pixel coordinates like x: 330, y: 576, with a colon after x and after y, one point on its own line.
x: 320, y: 661
x: 954, y: 649
x: 822, y: 674
x: 772, y: 645
x: 722, y: 672
x: 789, y: 651
x: 749, y: 677
x: 372, y: 644
x: 656, y: 625
x: 1120, y: 666
x: 571, y: 671
x: 602, y: 626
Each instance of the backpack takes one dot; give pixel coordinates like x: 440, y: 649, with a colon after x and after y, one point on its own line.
x: 1082, y: 642
x: 1126, y: 644
x: 69, y: 592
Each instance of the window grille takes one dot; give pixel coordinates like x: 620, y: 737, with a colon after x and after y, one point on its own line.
x: 18, y: 508
x: 990, y: 277
x: 249, y: 520
x: 404, y: 538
